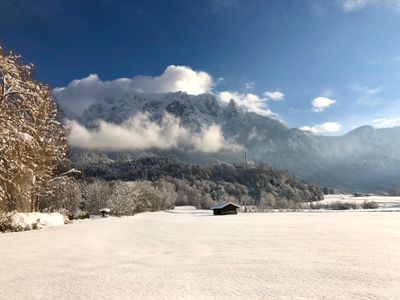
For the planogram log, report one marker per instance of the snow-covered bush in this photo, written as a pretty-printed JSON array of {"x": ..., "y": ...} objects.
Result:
[
  {"x": 338, "y": 205},
  {"x": 14, "y": 221},
  {"x": 370, "y": 205},
  {"x": 7, "y": 222},
  {"x": 78, "y": 215}
]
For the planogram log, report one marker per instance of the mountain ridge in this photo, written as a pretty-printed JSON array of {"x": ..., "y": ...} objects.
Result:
[{"x": 335, "y": 161}]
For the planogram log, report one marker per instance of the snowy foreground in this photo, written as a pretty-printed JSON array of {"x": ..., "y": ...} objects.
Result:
[{"x": 189, "y": 254}]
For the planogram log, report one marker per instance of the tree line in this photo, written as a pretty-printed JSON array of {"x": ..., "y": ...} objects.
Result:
[{"x": 202, "y": 186}]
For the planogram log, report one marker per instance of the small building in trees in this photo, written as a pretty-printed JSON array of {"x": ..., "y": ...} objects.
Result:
[
  {"x": 247, "y": 164},
  {"x": 72, "y": 173},
  {"x": 227, "y": 208}
]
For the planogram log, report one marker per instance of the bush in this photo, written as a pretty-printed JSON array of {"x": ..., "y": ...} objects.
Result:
[
  {"x": 370, "y": 205},
  {"x": 342, "y": 205},
  {"x": 80, "y": 215},
  {"x": 8, "y": 222}
]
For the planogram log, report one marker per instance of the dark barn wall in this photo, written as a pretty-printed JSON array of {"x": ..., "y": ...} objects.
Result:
[{"x": 227, "y": 210}]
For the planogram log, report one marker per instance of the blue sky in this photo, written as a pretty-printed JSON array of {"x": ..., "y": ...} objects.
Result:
[{"x": 341, "y": 55}]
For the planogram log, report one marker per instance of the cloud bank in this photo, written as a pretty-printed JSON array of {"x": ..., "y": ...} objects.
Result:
[
  {"x": 328, "y": 127},
  {"x": 252, "y": 102},
  {"x": 80, "y": 93},
  {"x": 139, "y": 133},
  {"x": 319, "y": 104}
]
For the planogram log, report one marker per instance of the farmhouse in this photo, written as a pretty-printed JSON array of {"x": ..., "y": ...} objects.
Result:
[{"x": 227, "y": 208}]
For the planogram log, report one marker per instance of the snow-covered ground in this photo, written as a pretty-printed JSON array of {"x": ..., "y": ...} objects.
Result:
[
  {"x": 189, "y": 254},
  {"x": 385, "y": 202}
]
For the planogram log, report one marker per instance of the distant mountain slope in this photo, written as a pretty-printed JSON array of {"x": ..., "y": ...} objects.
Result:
[{"x": 365, "y": 159}]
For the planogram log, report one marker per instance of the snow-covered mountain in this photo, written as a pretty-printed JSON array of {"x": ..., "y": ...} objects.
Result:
[
  {"x": 194, "y": 111},
  {"x": 365, "y": 159}
]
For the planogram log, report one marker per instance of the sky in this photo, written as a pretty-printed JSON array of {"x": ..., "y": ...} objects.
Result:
[{"x": 327, "y": 66}]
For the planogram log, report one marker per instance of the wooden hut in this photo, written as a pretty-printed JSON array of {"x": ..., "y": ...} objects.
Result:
[{"x": 227, "y": 208}]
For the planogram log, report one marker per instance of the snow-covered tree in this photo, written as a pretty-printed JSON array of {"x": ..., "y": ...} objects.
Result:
[
  {"x": 129, "y": 197},
  {"x": 64, "y": 193},
  {"x": 32, "y": 140}
]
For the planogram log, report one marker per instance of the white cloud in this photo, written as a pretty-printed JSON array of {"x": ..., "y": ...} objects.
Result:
[
  {"x": 354, "y": 5},
  {"x": 139, "y": 133},
  {"x": 386, "y": 122},
  {"x": 250, "y": 85},
  {"x": 321, "y": 103},
  {"x": 254, "y": 135},
  {"x": 251, "y": 102},
  {"x": 367, "y": 90},
  {"x": 368, "y": 96},
  {"x": 327, "y": 127},
  {"x": 274, "y": 95},
  {"x": 80, "y": 93}
]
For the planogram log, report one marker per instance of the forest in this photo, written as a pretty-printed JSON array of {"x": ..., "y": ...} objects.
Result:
[{"x": 201, "y": 186}]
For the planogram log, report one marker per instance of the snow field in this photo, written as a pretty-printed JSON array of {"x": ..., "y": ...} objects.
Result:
[{"x": 189, "y": 254}]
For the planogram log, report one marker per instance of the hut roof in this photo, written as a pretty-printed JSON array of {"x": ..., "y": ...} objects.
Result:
[
  {"x": 223, "y": 204},
  {"x": 72, "y": 173}
]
